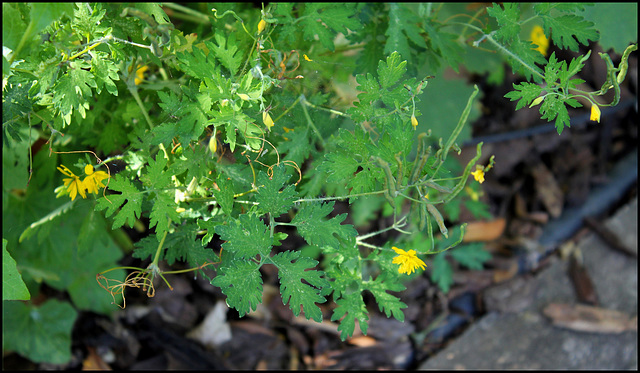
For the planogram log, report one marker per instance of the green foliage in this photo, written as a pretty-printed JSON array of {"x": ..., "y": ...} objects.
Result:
[
  {"x": 13, "y": 288},
  {"x": 43, "y": 334},
  {"x": 317, "y": 231},
  {"x": 179, "y": 119}
]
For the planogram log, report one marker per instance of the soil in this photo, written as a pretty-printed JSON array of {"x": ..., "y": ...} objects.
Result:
[{"x": 534, "y": 179}]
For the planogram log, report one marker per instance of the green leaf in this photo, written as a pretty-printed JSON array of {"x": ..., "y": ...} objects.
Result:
[
  {"x": 525, "y": 92},
  {"x": 471, "y": 256},
  {"x": 183, "y": 245},
  {"x": 442, "y": 273},
  {"x": 15, "y": 104},
  {"x": 73, "y": 90},
  {"x": 246, "y": 237},
  {"x": 445, "y": 44},
  {"x": 616, "y": 22},
  {"x": 292, "y": 269},
  {"x": 155, "y": 176},
  {"x": 224, "y": 196},
  {"x": 131, "y": 197},
  {"x": 13, "y": 288},
  {"x": 241, "y": 282},
  {"x": 352, "y": 307},
  {"x": 389, "y": 304},
  {"x": 197, "y": 64},
  {"x": 226, "y": 51},
  {"x": 164, "y": 208},
  {"x": 326, "y": 20},
  {"x": 105, "y": 72},
  {"x": 553, "y": 107},
  {"x": 270, "y": 197},
  {"x": 42, "y": 334},
  {"x": 391, "y": 72},
  {"x": 402, "y": 28},
  {"x": 567, "y": 27},
  {"x": 508, "y": 20},
  {"x": 316, "y": 230}
]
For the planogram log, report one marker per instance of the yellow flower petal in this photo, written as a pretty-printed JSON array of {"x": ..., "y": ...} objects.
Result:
[
  {"x": 140, "y": 74},
  {"x": 595, "y": 113},
  {"x": 307, "y": 58},
  {"x": 538, "y": 37},
  {"x": 88, "y": 169},
  {"x": 408, "y": 261},
  {"x": 478, "y": 174}
]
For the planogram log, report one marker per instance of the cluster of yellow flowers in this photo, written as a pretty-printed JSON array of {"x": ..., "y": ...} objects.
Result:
[{"x": 90, "y": 184}]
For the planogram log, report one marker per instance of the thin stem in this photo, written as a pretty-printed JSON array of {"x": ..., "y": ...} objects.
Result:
[
  {"x": 156, "y": 258},
  {"x": 194, "y": 14},
  {"x": 311, "y": 124}
]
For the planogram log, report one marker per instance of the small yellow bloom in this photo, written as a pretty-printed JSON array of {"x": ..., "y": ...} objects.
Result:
[
  {"x": 307, "y": 58},
  {"x": 266, "y": 118},
  {"x": 414, "y": 121},
  {"x": 538, "y": 37},
  {"x": 93, "y": 181},
  {"x": 73, "y": 183},
  {"x": 478, "y": 174},
  {"x": 595, "y": 113},
  {"x": 407, "y": 260},
  {"x": 261, "y": 25},
  {"x": 140, "y": 74}
]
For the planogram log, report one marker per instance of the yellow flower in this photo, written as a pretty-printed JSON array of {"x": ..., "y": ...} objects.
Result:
[
  {"x": 307, "y": 58},
  {"x": 414, "y": 121},
  {"x": 266, "y": 118},
  {"x": 93, "y": 181},
  {"x": 261, "y": 25},
  {"x": 595, "y": 113},
  {"x": 538, "y": 37},
  {"x": 140, "y": 74},
  {"x": 478, "y": 174},
  {"x": 408, "y": 261},
  {"x": 73, "y": 183}
]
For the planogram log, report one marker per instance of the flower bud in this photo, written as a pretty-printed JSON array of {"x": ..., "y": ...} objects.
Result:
[
  {"x": 261, "y": 25},
  {"x": 266, "y": 118}
]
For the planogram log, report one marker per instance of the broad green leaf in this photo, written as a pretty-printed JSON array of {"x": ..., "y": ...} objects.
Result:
[
  {"x": 41, "y": 334},
  {"x": 617, "y": 24},
  {"x": 13, "y": 288}
]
